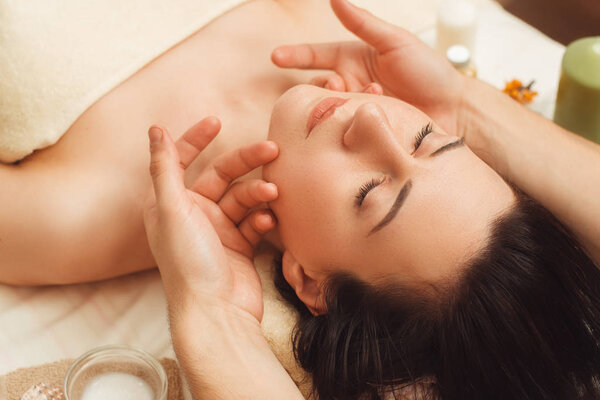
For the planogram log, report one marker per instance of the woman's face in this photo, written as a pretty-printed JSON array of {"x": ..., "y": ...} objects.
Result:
[{"x": 355, "y": 196}]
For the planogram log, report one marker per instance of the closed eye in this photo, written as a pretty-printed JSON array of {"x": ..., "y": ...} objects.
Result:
[
  {"x": 426, "y": 130},
  {"x": 365, "y": 189},
  {"x": 373, "y": 183}
]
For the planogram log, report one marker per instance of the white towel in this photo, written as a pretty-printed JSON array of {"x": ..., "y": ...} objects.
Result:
[{"x": 57, "y": 57}]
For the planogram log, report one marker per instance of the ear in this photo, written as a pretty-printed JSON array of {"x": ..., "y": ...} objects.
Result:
[{"x": 307, "y": 289}]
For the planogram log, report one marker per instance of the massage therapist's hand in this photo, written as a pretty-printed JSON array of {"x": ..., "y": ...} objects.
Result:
[
  {"x": 404, "y": 66},
  {"x": 203, "y": 236}
]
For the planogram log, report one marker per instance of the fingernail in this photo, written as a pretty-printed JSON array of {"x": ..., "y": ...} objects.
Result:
[
  {"x": 155, "y": 134},
  {"x": 270, "y": 186},
  {"x": 268, "y": 219},
  {"x": 277, "y": 54}
]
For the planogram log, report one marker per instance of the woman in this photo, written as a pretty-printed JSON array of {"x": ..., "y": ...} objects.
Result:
[
  {"x": 504, "y": 305},
  {"x": 94, "y": 179},
  {"x": 203, "y": 238}
]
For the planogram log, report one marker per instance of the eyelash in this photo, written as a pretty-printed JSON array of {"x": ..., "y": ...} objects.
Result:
[
  {"x": 426, "y": 130},
  {"x": 373, "y": 183},
  {"x": 366, "y": 188}
]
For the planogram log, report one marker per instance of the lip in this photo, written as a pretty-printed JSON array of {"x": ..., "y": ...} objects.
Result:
[{"x": 322, "y": 111}]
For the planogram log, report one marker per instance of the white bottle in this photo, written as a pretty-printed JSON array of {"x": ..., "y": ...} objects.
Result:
[{"x": 456, "y": 24}]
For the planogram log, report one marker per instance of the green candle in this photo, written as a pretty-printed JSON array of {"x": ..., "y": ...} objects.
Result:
[{"x": 578, "y": 99}]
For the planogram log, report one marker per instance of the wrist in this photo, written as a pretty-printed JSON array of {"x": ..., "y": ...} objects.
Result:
[
  {"x": 209, "y": 337},
  {"x": 223, "y": 354},
  {"x": 196, "y": 310},
  {"x": 468, "y": 114},
  {"x": 480, "y": 121}
]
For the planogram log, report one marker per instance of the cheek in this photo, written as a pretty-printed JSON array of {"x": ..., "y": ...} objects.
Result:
[
  {"x": 288, "y": 117},
  {"x": 283, "y": 132},
  {"x": 309, "y": 207},
  {"x": 306, "y": 195}
]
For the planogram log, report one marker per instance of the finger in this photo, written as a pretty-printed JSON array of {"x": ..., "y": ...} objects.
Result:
[
  {"x": 373, "y": 88},
  {"x": 307, "y": 56},
  {"x": 214, "y": 180},
  {"x": 195, "y": 139},
  {"x": 167, "y": 176},
  {"x": 376, "y": 32},
  {"x": 242, "y": 196},
  {"x": 319, "y": 81},
  {"x": 335, "y": 82},
  {"x": 256, "y": 225},
  {"x": 331, "y": 82}
]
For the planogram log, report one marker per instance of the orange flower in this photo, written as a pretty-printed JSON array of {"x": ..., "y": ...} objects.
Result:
[{"x": 522, "y": 94}]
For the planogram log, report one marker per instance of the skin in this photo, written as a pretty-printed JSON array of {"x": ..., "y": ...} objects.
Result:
[
  {"x": 90, "y": 186},
  {"x": 444, "y": 220},
  {"x": 220, "y": 345},
  {"x": 203, "y": 237}
]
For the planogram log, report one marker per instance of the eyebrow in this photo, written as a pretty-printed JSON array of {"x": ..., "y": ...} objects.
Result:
[
  {"x": 458, "y": 143},
  {"x": 403, "y": 194},
  {"x": 395, "y": 207}
]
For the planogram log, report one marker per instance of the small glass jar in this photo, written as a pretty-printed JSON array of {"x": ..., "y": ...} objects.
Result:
[
  {"x": 118, "y": 368},
  {"x": 460, "y": 57}
]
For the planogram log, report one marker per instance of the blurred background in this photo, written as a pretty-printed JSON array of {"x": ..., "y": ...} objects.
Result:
[{"x": 562, "y": 20}]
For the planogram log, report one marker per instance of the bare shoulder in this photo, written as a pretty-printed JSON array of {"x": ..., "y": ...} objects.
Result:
[{"x": 72, "y": 212}]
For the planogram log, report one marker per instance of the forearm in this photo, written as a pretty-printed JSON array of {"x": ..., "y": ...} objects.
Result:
[
  {"x": 228, "y": 358},
  {"x": 555, "y": 167}
]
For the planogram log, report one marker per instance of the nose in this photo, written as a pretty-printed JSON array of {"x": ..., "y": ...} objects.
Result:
[{"x": 371, "y": 136}]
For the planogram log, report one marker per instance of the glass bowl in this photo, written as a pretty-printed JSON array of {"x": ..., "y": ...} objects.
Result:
[{"x": 102, "y": 371}]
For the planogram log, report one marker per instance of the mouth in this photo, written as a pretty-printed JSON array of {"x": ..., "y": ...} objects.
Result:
[{"x": 322, "y": 111}]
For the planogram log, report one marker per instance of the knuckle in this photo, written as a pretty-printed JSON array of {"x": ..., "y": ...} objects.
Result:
[
  {"x": 221, "y": 174},
  {"x": 312, "y": 56},
  {"x": 157, "y": 167},
  {"x": 337, "y": 52},
  {"x": 253, "y": 192},
  {"x": 234, "y": 187},
  {"x": 246, "y": 158},
  {"x": 360, "y": 25},
  {"x": 240, "y": 202}
]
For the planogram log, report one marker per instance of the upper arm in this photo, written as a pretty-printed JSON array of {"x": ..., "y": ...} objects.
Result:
[{"x": 61, "y": 226}]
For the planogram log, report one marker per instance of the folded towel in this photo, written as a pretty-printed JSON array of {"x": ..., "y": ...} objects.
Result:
[{"x": 59, "y": 56}]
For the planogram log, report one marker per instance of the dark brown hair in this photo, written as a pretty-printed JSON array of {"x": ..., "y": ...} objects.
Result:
[{"x": 523, "y": 322}]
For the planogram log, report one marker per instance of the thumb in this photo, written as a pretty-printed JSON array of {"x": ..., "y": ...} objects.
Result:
[
  {"x": 167, "y": 175},
  {"x": 376, "y": 32}
]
